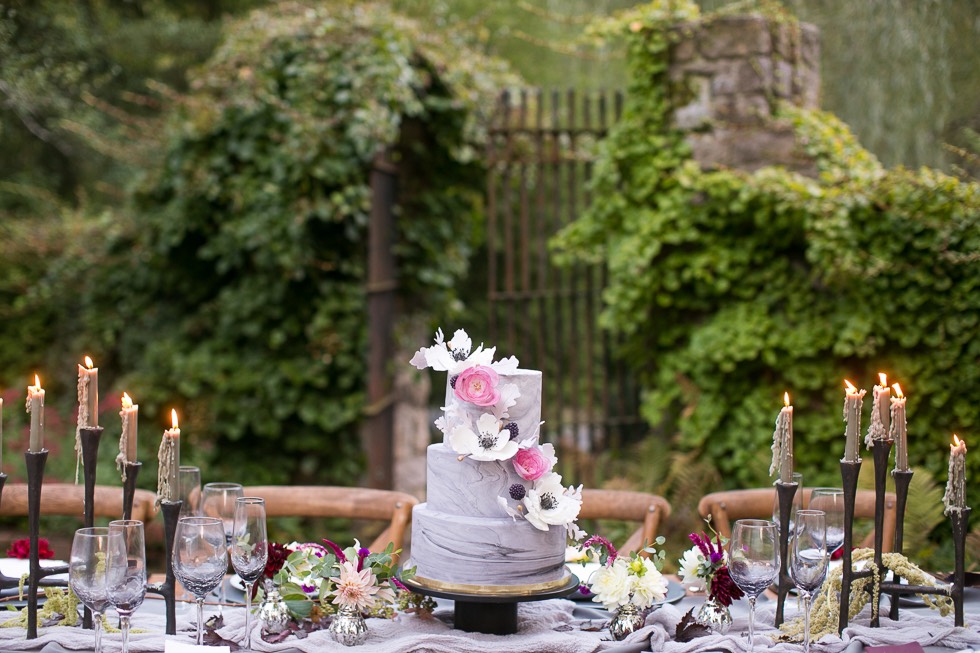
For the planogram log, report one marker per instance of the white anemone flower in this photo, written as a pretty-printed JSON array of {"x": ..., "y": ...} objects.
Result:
[
  {"x": 458, "y": 354},
  {"x": 548, "y": 503},
  {"x": 689, "y": 565},
  {"x": 488, "y": 443}
]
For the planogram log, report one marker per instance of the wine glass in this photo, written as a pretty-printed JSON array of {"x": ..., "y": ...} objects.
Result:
[
  {"x": 831, "y": 501},
  {"x": 249, "y": 548},
  {"x": 753, "y": 554},
  {"x": 86, "y": 574},
  {"x": 218, "y": 500},
  {"x": 200, "y": 560},
  {"x": 126, "y": 571},
  {"x": 189, "y": 481},
  {"x": 808, "y": 560},
  {"x": 797, "y": 502}
]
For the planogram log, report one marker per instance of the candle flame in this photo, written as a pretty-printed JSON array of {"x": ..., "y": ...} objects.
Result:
[
  {"x": 849, "y": 387},
  {"x": 883, "y": 379},
  {"x": 898, "y": 390},
  {"x": 958, "y": 443},
  {"x": 88, "y": 363},
  {"x": 173, "y": 417},
  {"x": 786, "y": 398},
  {"x": 127, "y": 402},
  {"x": 37, "y": 382}
]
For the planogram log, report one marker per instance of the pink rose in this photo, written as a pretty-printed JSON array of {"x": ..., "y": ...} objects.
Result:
[
  {"x": 478, "y": 385},
  {"x": 531, "y": 463}
]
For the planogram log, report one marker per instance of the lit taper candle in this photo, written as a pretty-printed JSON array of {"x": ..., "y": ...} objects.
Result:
[
  {"x": 35, "y": 406},
  {"x": 127, "y": 439},
  {"x": 853, "y": 401},
  {"x": 169, "y": 460},
  {"x": 955, "y": 497},
  {"x": 878, "y": 429},
  {"x": 898, "y": 430},
  {"x": 782, "y": 443}
]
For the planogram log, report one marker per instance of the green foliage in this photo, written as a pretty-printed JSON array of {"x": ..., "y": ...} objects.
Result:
[
  {"x": 244, "y": 298},
  {"x": 731, "y": 287}
]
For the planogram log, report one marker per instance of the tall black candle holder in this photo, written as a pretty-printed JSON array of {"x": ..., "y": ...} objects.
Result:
[
  {"x": 35, "y": 462},
  {"x": 894, "y": 588},
  {"x": 902, "y": 480},
  {"x": 91, "y": 437},
  {"x": 784, "y": 494},
  {"x": 129, "y": 487},
  {"x": 167, "y": 589}
]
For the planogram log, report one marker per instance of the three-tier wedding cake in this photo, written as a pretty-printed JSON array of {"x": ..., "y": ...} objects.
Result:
[{"x": 496, "y": 513}]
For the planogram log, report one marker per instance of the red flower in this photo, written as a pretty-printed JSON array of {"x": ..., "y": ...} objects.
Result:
[
  {"x": 22, "y": 549},
  {"x": 723, "y": 588}
]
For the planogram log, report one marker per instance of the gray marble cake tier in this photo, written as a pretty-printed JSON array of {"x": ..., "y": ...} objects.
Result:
[
  {"x": 484, "y": 551},
  {"x": 526, "y": 411},
  {"x": 467, "y": 487}
]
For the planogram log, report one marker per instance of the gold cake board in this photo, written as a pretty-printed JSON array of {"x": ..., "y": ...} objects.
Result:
[{"x": 492, "y": 609}]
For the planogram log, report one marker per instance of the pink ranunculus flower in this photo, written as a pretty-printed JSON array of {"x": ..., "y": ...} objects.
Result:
[
  {"x": 531, "y": 463},
  {"x": 478, "y": 385}
]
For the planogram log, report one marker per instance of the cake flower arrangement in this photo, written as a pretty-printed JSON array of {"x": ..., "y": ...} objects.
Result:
[{"x": 478, "y": 426}]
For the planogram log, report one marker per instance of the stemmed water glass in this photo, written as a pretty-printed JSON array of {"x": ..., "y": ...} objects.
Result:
[
  {"x": 200, "y": 560},
  {"x": 249, "y": 548},
  {"x": 87, "y": 574},
  {"x": 218, "y": 500},
  {"x": 126, "y": 571},
  {"x": 808, "y": 560},
  {"x": 831, "y": 501},
  {"x": 189, "y": 480},
  {"x": 753, "y": 554}
]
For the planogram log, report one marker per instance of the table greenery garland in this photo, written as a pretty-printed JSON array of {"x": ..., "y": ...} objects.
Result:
[{"x": 825, "y": 615}]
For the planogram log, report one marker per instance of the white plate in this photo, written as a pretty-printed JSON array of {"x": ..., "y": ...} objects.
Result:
[
  {"x": 17, "y": 567},
  {"x": 236, "y": 582}
]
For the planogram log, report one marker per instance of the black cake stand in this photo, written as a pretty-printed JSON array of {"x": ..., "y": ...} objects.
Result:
[{"x": 488, "y": 611}]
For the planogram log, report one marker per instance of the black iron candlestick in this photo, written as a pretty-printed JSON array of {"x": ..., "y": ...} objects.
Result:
[
  {"x": 167, "y": 589},
  {"x": 91, "y": 437},
  {"x": 129, "y": 487},
  {"x": 894, "y": 588},
  {"x": 36, "y": 461},
  {"x": 784, "y": 493},
  {"x": 902, "y": 480}
]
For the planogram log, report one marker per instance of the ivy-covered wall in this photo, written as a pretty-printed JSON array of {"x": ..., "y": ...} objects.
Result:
[{"x": 732, "y": 287}]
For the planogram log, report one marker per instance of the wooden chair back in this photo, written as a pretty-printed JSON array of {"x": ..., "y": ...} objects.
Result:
[
  {"x": 389, "y": 506},
  {"x": 650, "y": 510},
  {"x": 726, "y": 507},
  {"x": 68, "y": 500}
]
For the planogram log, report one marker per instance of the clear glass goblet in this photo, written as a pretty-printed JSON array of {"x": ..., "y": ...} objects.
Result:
[
  {"x": 753, "y": 554},
  {"x": 189, "y": 480},
  {"x": 87, "y": 574},
  {"x": 831, "y": 501},
  {"x": 126, "y": 571},
  {"x": 200, "y": 559},
  {"x": 249, "y": 548},
  {"x": 808, "y": 560},
  {"x": 218, "y": 500}
]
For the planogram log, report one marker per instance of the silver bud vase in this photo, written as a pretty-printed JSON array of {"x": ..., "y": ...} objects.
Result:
[
  {"x": 712, "y": 614},
  {"x": 627, "y": 619},
  {"x": 348, "y": 626},
  {"x": 273, "y": 613}
]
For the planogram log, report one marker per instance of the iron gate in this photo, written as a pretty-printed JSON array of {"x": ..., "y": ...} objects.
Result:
[{"x": 540, "y": 156}]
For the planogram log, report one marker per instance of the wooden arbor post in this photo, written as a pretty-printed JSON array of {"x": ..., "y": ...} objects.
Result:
[{"x": 377, "y": 428}]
